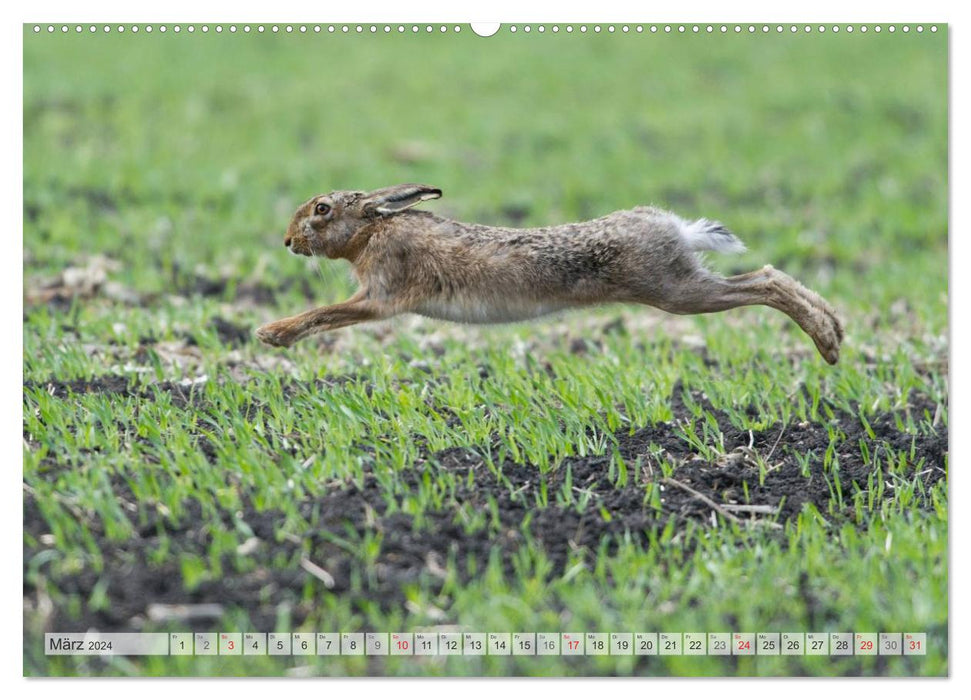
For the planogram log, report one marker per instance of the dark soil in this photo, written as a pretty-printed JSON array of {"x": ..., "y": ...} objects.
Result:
[
  {"x": 230, "y": 334},
  {"x": 242, "y": 291},
  {"x": 261, "y": 581},
  {"x": 120, "y": 386}
]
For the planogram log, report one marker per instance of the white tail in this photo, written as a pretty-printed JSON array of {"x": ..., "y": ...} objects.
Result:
[{"x": 710, "y": 235}]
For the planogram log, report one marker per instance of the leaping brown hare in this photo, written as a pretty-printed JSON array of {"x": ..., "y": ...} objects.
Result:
[{"x": 415, "y": 262}]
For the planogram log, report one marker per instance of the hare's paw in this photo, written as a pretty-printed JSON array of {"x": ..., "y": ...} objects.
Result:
[
  {"x": 829, "y": 336},
  {"x": 279, "y": 333}
]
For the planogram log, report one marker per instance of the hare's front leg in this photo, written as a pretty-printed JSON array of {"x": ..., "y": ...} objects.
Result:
[{"x": 287, "y": 331}]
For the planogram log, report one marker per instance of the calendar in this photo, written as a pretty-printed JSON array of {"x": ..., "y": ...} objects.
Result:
[{"x": 429, "y": 643}]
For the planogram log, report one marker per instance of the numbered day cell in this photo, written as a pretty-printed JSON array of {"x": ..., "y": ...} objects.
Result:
[
  {"x": 767, "y": 644},
  {"x": 352, "y": 644},
  {"x": 449, "y": 643},
  {"x": 571, "y": 644},
  {"x": 915, "y": 643},
  {"x": 278, "y": 643},
  {"x": 426, "y": 644},
  {"x": 793, "y": 643},
  {"x": 645, "y": 643},
  {"x": 621, "y": 644},
  {"x": 254, "y": 644},
  {"x": 548, "y": 643},
  {"x": 230, "y": 644},
  {"x": 180, "y": 644},
  {"x": 817, "y": 644},
  {"x": 865, "y": 643},
  {"x": 500, "y": 644},
  {"x": 669, "y": 643},
  {"x": 302, "y": 644},
  {"x": 474, "y": 644},
  {"x": 719, "y": 643},
  {"x": 597, "y": 643},
  {"x": 376, "y": 644},
  {"x": 402, "y": 644},
  {"x": 743, "y": 644},
  {"x": 841, "y": 643},
  {"x": 207, "y": 643},
  {"x": 695, "y": 643},
  {"x": 328, "y": 644},
  {"x": 891, "y": 644},
  {"x": 524, "y": 643}
]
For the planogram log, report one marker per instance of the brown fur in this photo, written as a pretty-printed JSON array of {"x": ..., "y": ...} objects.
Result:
[{"x": 415, "y": 262}]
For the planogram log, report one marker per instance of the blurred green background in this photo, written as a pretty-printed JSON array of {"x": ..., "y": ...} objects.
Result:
[{"x": 808, "y": 146}]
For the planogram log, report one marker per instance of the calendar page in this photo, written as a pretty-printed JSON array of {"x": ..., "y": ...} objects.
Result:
[{"x": 558, "y": 349}]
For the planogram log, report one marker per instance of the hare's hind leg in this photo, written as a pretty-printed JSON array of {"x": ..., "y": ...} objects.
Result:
[
  {"x": 287, "y": 331},
  {"x": 706, "y": 293}
]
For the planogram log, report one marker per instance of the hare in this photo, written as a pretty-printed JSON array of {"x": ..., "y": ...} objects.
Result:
[{"x": 410, "y": 261}]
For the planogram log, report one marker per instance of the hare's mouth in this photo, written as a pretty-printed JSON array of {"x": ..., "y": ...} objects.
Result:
[{"x": 299, "y": 247}]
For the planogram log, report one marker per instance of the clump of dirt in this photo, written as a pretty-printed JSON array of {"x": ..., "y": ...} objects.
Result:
[{"x": 81, "y": 281}]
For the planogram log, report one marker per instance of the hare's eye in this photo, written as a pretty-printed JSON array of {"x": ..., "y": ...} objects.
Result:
[{"x": 322, "y": 208}]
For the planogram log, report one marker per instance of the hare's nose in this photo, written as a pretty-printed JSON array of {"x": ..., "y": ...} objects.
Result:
[{"x": 286, "y": 241}]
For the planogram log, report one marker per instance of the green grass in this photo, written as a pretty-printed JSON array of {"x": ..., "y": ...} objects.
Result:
[{"x": 182, "y": 158}]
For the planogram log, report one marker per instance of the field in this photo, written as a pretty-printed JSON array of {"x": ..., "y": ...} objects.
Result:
[{"x": 608, "y": 470}]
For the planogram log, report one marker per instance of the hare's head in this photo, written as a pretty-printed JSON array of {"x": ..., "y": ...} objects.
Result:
[{"x": 327, "y": 223}]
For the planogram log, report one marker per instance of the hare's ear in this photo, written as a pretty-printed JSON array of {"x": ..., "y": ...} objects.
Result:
[{"x": 391, "y": 200}]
